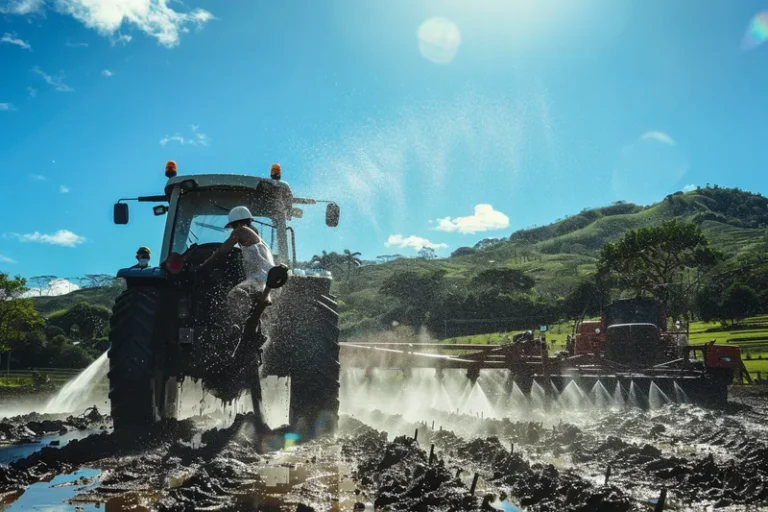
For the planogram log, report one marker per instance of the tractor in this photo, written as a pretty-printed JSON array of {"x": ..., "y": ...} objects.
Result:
[
  {"x": 170, "y": 323},
  {"x": 630, "y": 332}
]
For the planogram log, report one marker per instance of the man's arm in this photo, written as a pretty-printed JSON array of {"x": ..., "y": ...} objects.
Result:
[{"x": 223, "y": 249}]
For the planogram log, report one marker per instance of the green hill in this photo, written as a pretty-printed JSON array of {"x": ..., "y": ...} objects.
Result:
[
  {"x": 560, "y": 254},
  {"x": 101, "y": 296},
  {"x": 557, "y": 256}
]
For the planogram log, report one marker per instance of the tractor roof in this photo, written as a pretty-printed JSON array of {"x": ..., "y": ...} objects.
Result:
[{"x": 225, "y": 180}]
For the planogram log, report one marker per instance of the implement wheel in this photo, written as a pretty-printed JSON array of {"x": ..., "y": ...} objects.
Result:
[{"x": 131, "y": 357}]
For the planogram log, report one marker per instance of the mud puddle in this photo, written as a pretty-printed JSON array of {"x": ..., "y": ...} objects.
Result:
[
  {"x": 18, "y": 450},
  {"x": 323, "y": 482},
  {"x": 53, "y": 494}
]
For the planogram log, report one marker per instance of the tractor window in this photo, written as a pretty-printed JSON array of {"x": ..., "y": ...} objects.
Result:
[
  {"x": 633, "y": 313},
  {"x": 202, "y": 216}
]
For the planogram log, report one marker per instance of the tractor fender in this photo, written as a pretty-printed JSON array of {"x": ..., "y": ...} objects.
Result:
[
  {"x": 150, "y": 276},
  {"x": 141, "y": 273}
]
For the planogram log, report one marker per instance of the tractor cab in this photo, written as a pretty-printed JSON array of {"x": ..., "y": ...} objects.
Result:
[
  {"x": 633, "y": 332},
  {"x": 197, "y": 208}
]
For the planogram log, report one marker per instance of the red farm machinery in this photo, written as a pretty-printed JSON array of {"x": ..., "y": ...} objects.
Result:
[{"x": 628, "y": 352}]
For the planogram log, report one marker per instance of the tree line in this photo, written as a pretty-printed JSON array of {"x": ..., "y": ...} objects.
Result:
[
  {"x": 672, "y": 262},
  {"x": 69, "y": 338}
]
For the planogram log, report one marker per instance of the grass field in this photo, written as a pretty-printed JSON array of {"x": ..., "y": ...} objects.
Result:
[
  {"x": 751, "y": 335},
  {"x": 26, "y": 378}
]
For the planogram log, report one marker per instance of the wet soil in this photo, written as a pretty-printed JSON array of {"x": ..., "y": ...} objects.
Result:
[{"x": 599, "y": 461}]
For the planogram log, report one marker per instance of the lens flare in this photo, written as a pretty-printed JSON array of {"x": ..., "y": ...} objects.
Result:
[
  {"x": 757, "y": 31},
  {"x": 439, "y": 40}
]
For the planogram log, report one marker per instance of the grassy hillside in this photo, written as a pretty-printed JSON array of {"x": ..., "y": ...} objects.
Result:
[
  {"x": 560, "y": 254},
  {"x": 733, "y": 220},
  {"x": 100, "y": 296}
]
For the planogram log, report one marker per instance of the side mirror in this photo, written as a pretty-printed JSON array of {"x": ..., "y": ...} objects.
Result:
[
  {"x": 120, "y": 213},
  {"x": 277, "y": 276},
  {"x": 332, "y": 213},
  {"x": 160, "y": 209}
]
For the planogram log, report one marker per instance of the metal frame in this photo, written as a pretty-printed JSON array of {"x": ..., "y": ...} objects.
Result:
[{"x": 406, "y": 356}]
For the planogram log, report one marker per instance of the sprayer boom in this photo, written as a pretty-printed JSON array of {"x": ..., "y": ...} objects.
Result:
[{"x": 700, "y": 372}]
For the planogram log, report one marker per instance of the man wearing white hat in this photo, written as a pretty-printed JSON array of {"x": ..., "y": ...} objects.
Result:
[{"x": 257, "y": 259}]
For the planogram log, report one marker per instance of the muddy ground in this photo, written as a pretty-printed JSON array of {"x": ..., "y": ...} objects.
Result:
[{"x": 601, "y": 461}]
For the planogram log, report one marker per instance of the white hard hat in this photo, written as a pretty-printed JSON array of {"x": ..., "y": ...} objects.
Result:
[{"x": 238, "y": 213}]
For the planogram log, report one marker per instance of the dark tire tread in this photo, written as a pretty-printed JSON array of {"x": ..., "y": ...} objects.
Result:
[{"x": 131, "y": 356}]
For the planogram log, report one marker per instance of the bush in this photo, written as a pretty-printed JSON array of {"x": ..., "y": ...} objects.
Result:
[
  {"x": 52, "y": 331},
  {"x": 72, "y": 356},
  {"x": 40, "y": 379}
]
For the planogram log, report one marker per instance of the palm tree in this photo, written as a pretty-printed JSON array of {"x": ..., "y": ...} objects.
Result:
[
  {"x": 328, "y": 261},
  {"x": 352, "y": 259}
]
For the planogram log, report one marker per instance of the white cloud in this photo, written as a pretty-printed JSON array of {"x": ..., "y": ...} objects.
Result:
[
  {"x": 21, "y": 7},
  {"x": 485, "y": 218},
  {"x": 198, "y": 138},
  {"x": 57, "y": 82},
  {"x": 38, "y": 177},
  {"x": 659, "y": 137},
  {"x": 152, "y": 17},
  {"x": 12, "y": 39},
  {"x": 62, "y": 237},
  {"x": 76, "y": 45},
  {"x": 58, "y": 286},
  {"x": 107, "y": 73},
  {"x": 122, "y": 39},
  {"x": 32, "y": 92},
  {"x": 63, "y": 189},
  {"x": 7, "y": 106},
  {"x": 689, "y": 188},
  {"x": 6, "y": 259},
  {"x": 415, "y": 242}
]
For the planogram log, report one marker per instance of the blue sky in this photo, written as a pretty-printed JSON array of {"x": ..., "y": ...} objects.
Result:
[{"x": 493, "y": 116}]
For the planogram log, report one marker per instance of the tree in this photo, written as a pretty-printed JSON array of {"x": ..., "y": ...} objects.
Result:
[
  {"x": 72, "y": 356},
  {"x": 487, "y": 243},
  {"x": 417, "y": 293},
  {"x": 588, "y": 297},
  {"x": 41, "y": 285},
  {"x": 427, "y": 253},
  {"x": 504, "y": 280},
  {"x": 463, "y": 251},
  {"x": 98, "y": 281},
  {"x": 352, "y": 260},
  {"x": 653, "y": 260},
  {"x": 90, "y": 320},
  {"x": 328, "y": 261},
  {"x": 18, "y": 316},
  {"x": 739, "y": 301}
]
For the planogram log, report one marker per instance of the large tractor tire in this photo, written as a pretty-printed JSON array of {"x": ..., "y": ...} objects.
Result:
[
  {"x": 132, "y": 357},
  {"x": 304, "y": 344}
]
